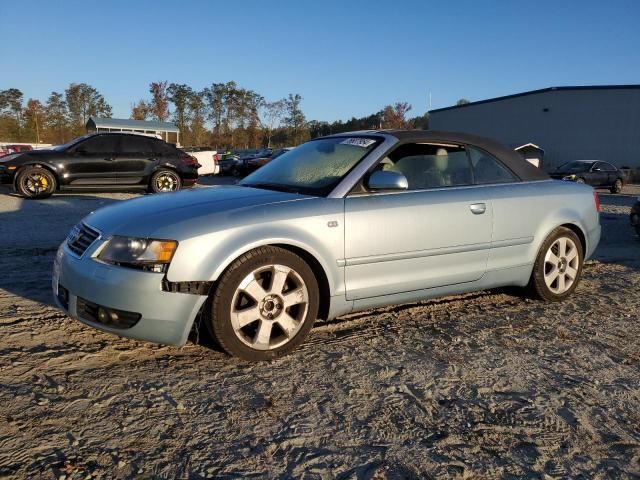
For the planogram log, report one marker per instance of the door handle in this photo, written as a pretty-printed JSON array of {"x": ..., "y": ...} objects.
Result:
[{"x": 478, "y": 208}]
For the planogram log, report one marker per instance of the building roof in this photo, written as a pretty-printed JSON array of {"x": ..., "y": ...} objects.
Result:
[
  {"x": 542, "y": 90},
  {"x": 95, "y": 122}
]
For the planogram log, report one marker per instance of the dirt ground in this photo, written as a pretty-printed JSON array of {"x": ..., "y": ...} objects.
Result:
[{"x": 486, "y": 385}]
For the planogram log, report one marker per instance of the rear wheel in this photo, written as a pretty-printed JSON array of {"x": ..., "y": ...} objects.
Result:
[
  {"x": 165, "y": 181},
  {"x": 580, "y": 180},
  {"x": 558, "y": 266},
  {"x": 264, "y": 305},
  {"x": 35, "y": 182},
  {"x": 617, "y": 186}
]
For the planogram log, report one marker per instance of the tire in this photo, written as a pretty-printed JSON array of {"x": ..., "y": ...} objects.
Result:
[
  {"x": 616, "y": 187},
  {"x": 557, "y": 269},
  {"x": 235, "y": 172},
  {"x": 35, "y": 182},
  {"x": 165, "y": 180},
  {"x": 249, "y": 317},
  {"x": 580, "y": 180}
]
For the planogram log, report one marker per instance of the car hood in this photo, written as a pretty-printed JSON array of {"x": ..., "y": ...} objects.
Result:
[{"x": 181, "y": 214}]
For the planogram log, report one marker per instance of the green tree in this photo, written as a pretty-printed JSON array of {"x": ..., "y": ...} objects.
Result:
[
  {"x": 84, "y": 101},
  {"x": 462, "y": 101},
  {"x": 56, "y": 119},
  {"x": 295, "y": 120},
  {"x": 140, "y": 110},
  {"x": 33, "y": 121},
  {"x": 159, "y": 104},
  {"x": 11, "y": 114},
  {"x": 180, "y": 95}
]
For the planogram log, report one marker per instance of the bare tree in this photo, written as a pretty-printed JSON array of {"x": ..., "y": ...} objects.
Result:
[{"x": 274, "y": 113}]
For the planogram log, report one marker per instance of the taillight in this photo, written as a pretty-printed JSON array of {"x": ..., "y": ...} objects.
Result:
[
  {"x": 596, "y": 199},
  {"x": 215, "y": 158},
  {"x": 189, "y": 160}
]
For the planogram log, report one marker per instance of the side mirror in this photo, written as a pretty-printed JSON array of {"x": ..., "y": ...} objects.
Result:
[{"x": 387, "y": 180}]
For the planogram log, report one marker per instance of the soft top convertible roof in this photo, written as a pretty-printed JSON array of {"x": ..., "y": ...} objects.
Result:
[{"x": 511, "y": 159}]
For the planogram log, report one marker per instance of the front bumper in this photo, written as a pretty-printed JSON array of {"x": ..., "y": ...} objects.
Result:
[{"x": 166, "y": 317}]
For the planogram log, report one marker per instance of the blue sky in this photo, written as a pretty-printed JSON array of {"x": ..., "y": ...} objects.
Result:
[{"x": 346, "y": 58}]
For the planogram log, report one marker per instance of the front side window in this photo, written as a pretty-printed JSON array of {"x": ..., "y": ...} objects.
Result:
[
  {"x": 98, "y": 144},
  {"x": 315, "y": 167},
  {"x": 430, "y": 165},
  {"x": 487, "y": 169}
]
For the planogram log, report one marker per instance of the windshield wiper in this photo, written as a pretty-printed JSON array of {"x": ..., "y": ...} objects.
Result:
[{"x": 272, "y": 186}]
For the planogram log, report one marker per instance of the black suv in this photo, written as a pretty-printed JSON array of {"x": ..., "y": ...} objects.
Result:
[{"x": 100, "y": 161}]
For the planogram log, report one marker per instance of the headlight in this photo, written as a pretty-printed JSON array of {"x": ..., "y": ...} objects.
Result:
[
  {"x": 143, "y": 253},
  {"x": 569, "y": 177}
]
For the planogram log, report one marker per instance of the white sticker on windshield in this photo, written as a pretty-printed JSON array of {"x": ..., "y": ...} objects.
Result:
[{"x": 358, "y": 142}]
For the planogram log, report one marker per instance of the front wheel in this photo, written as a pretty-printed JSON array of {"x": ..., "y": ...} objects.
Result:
[
  {"x": 617, "y": 186},
  {"x": 35, "y": 182},
  {"x": 264, "y": 305},
  {"x": 580, "y": 180},
  {"x": 165, "y": 181},
  {"x": 558, "y": 266}
]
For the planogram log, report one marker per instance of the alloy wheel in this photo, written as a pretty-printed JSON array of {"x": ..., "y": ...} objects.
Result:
[
  {"x": 269, "y": 307},
  {"x": 35, "y": 183},
  {"x": 167, "y": 182},
  {"x": 561, "y": 265}
]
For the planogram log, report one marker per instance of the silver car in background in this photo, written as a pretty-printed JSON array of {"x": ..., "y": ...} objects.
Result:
[{"x": 342, "y": 223}]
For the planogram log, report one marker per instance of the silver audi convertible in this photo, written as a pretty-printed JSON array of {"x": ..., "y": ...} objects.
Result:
[{"x": 339, "y": 224}]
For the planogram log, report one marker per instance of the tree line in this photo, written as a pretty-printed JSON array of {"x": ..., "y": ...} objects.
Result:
[{"x": 223, "y": 115}]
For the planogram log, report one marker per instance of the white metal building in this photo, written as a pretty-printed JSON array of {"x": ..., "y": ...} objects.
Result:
[
  {"x": 568, "y": 123},
  {"x": 165, "y": 130}
]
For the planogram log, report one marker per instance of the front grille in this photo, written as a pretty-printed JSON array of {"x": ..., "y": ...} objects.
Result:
[
  {"x": 81, "y": 238},
  {"x": 109, "y": 317}
]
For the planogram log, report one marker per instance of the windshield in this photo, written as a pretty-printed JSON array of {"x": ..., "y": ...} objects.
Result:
[
  {"x": 575, "y": 167},
  {"x": 64, "y": 146},
  {"x": 313, "y": 168}
]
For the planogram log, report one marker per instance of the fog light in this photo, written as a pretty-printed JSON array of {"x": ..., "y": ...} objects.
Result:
[{"x": 107, "y": 316}]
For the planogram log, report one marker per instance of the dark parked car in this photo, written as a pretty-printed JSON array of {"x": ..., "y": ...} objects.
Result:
[
  {"x": 228, "y": 164},
  {"x": 635, "y": 216},
  {"x": 253, "y": 164},
  {"x": 100, "y": 161},
  {"x": 592, "y": 172}
]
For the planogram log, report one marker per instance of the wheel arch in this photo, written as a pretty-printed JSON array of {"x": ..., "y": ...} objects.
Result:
[
  {"x": 40, "y": 165},
  {"x": 580, "y": 234},
  {"x": 323, "y": 282}
]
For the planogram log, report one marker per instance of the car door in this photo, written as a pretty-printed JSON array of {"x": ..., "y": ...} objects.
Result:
[
  {"x": 91, "y": 162},
  {"x": 514, "y": 218},
  {"x": 611, "y": 172},
  {"x": 598, "y": 175},
  {"x": 135, "y": 160},
  {"x": 436, "y": 233}
]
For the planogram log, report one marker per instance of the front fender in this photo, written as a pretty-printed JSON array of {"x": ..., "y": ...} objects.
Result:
[{"x": 205, "y": 258}]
